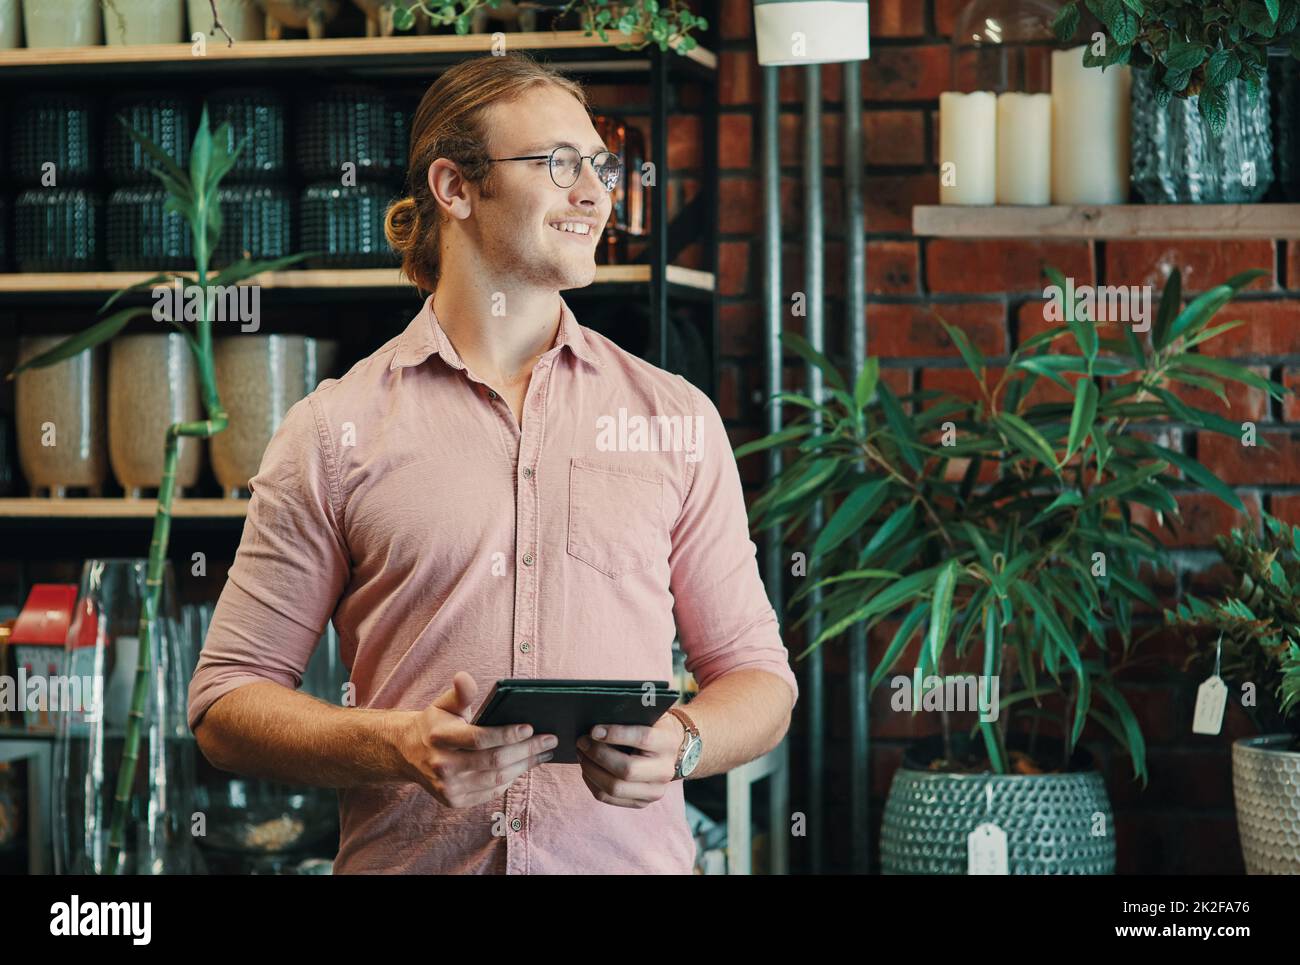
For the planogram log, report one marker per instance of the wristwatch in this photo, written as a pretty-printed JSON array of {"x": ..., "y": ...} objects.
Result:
[{"x": 688, "y": 755}]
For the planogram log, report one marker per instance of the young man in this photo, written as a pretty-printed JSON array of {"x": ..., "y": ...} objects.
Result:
[{"x": 466, "y": 506}]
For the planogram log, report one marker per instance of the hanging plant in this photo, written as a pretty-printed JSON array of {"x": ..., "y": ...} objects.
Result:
[{"x": 1192, "y": 49}]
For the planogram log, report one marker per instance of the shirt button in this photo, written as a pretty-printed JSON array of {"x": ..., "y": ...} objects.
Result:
[
  {"x": 528, "y": 472},
  {"x": 491, "y": 394},
  {"x": 525, "y": 647},
  {"x": 516, "y": 824},
  {"x": 528, "y": 559}
]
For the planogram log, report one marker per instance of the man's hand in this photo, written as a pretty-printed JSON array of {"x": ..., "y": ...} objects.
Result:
[
  {"x": 460, "y": 764},
  {"x": 631, "y": 780}
]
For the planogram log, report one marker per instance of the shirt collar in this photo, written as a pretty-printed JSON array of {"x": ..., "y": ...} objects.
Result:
[{"x": 424, "y": 336}]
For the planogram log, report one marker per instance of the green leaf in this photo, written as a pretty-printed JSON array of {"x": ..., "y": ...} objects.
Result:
[
  {"x": 1082, "y": 416},
  {"x": 1212, "y": 102},
  {"x": 1170, "y": 302},
  {"x": 969, "y": 353},
  {"x": 1228, "y": 370},
  {"x": 899, "y": 643},
  {"x": 815, "y": 358},
  {"x": 1183, "y": 55},
  {"x": 858, "y": 507},
  {"x": 1026, "y": 438},
  {"x": 1066, "y": 22},
  {"x": 169, "y": 165},
  {"x": 1136, "y": 743},
  {"x": 865, "y": 386},
  {"x": 244, "y": 268},
  {"x": 883, "y": 602},
  {"x": 1222, "y": 67},
  {"x": 403, "y": 17},
  {"x": 941, "y": 608},
  {"x": 780, "y": 438},
  {"x": 900, "y": 521},
  {"x": 904, "y": 432}
]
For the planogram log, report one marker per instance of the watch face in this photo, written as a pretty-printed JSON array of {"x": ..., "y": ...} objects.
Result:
[{"x": 692, "y": 756}]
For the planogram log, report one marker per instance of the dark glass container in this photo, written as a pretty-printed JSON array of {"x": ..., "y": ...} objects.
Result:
[
  {"x": 346, "y": 225},
  {"x": 143, "y": 236},
  {"x": 57, "y": 229},
  {"x": 256, "y": 222},
  {"x": 349, "y": 125},
  {"x": 260, "y": 116},
  {"x": 167, "y": 121},
  {"x": 53, "y": 128}
]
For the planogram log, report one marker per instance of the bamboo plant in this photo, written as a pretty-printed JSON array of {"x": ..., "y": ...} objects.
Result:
[
  {"x": 193, "y": 195},
  {"x": 1005, "y": 529}
]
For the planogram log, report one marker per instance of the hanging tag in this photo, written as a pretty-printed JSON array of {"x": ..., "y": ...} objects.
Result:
[
  {"x": 986, "y": 850},
  {"x": 1211, "y": 701},
  {"x": 986, "y": 846}
]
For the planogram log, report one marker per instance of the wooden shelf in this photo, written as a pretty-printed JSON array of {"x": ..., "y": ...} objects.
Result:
[
  {"x": 111, "y": 281},
  {"x": 119, "y": 508},
  {"x": 1119, "y": 221},
  {"x": 415, "y": 51}
]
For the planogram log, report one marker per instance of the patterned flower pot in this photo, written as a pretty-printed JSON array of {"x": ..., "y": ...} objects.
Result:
[
  {"x": 152, "y": 382},
  {"x": 144, "y": 22},
  {"x": 258, "y": 378},
  {"x": 1051, "y": 820},
  {"x": 59, "y": 410},
  {"x": 1266, "y": 786}
]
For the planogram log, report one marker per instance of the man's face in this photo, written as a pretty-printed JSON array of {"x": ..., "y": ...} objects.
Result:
[{"x": 520, "y": 225}]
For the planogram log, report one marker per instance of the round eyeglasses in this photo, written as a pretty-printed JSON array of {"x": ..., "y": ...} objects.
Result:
[{"x": 565, "y": 164}]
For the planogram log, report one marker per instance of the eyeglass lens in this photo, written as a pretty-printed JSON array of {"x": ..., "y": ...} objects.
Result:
[{"x": 566, "y": 165}]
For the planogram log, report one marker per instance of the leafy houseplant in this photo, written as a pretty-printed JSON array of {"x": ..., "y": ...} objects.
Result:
[
  {"x": 982, "y": 521},
  {"x": 668, "y": 24},
  {"x": 1003, "y": 532},
  {"x": 1256, "y": 622},
  {"x": 1190, "y": 48},
  {"x": 193, "y": 195}
]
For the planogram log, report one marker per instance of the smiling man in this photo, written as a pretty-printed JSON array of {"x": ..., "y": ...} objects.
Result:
[{"x": 453, "y": 504}]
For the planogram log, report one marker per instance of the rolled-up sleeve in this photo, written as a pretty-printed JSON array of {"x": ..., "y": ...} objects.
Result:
[
  {"x": 291, "y": 566},
  {"x": 724, "y": 618}
]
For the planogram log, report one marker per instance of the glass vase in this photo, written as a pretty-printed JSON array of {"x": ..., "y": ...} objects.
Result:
[
  {"x": 101, "y": 654},
  {"x": 1178, "y": 160}
]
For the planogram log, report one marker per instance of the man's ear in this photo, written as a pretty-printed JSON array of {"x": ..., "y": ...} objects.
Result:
[{"x": 450, "y": 190}]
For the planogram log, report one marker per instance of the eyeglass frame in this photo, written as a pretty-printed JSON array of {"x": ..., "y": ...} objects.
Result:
[{"x": 550, "y": 167}]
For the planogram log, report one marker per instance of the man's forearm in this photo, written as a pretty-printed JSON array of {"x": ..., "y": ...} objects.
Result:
[
  {"x": 741, "y": 716},
  {"x": 265, "y": 730}
]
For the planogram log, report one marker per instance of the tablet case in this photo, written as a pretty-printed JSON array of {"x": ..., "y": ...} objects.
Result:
[{"x": 570, "y": 708}]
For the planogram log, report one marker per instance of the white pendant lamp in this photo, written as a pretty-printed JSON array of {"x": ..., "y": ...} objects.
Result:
[{"x": 802, "y": 32}]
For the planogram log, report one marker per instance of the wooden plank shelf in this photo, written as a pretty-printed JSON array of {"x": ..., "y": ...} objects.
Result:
[
  {"x": 95, "y": 508},
  {"x": 321, "y": 278},
  {"x": 420, "y": 52},
  {"x": 1097, "y": 222}
]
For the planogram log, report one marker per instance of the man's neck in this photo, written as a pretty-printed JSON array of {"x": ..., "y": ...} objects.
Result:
[{"x": 498, "y": 331}]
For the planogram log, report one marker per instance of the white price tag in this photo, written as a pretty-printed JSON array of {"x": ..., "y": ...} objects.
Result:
[
  {"x": 1211, "y": 701},
  {"x": 986, "y": 851}
]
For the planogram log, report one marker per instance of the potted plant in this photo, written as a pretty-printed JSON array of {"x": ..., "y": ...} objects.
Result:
[
  {"x": 1201, "y": 115},
  {"x": 668, "y": 24},
  {"x": 1000, "y": 532},
  {"x": 193, "y": 194},
  {"x": 1250, "y": 637}
]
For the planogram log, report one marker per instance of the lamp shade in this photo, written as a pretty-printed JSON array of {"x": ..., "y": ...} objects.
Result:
[{"x": 801, "y": 32}]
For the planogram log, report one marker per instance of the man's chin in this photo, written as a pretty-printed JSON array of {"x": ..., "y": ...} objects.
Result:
[{"x": 578, "y": 278}]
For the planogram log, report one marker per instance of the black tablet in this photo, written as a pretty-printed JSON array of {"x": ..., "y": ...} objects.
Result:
[{"x": 570, "y": 708}]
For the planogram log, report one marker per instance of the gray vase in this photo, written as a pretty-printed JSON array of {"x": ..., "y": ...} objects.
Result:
[
  {"x": 1177, "y": 160},
  {"x": 1266, "y": 786},
  {"x": 1049, "y": 820}
]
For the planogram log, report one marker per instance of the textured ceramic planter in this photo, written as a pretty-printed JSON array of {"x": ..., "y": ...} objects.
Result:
[
  {"x": 309, "y": 15},
  {"x": 144, "y": 22},
  {"x": 243, "y": 19},
  {"x": 152, "y": 382},
  {"x": 59, "y": 412},
  {"x": 258, "y": 377},
  {"x": 1266, "y": 786},
  {"x": 1049, "y": 820},
  {"x": 65, "y": 23}
]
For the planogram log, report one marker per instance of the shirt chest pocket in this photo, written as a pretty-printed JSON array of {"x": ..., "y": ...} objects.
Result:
[{"x": 616, "y": 517}]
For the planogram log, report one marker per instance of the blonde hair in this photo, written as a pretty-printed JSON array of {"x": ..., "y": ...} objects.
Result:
[{"x": 449, "y": 124}]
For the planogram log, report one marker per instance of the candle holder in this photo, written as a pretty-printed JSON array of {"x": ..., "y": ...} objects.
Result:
[{"x": 995, "y": 124}]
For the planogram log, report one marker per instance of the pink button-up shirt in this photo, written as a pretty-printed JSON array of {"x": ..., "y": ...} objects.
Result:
[{"x": 404, "y": 502}]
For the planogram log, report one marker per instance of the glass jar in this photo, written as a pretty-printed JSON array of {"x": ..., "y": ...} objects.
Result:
[
  {"x": 1177, "y": 159},
  {"x": 101, "y": 654}
]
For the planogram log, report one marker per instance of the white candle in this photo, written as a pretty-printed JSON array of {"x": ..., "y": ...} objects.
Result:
[
  {"x": 1024, "y": 148},
  {"x": 968, "y": 148},
  {"x": 1090, "y": 135}
]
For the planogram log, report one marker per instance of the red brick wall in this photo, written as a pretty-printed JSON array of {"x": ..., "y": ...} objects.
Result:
[{"x": 1183, "y": 822}]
